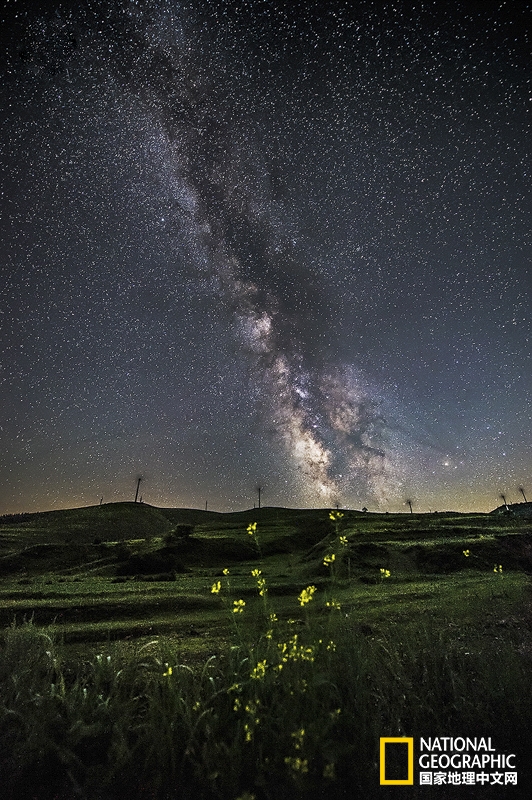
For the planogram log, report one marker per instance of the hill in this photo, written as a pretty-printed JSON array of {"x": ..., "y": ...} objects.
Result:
[
  {"x": 515, "y": 509},
  {"x": 139, "y": 539}
]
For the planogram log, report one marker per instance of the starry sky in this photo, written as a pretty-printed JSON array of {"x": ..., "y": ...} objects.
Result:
[{"x": 275, "y": 244}]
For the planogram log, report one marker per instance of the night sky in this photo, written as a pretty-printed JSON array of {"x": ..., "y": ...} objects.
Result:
[{"x": 263, "y": 243}]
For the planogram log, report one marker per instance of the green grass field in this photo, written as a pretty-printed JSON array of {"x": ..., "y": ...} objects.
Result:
[{"x": 143, "y": 658}]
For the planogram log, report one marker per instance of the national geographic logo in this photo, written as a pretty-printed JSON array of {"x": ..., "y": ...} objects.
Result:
[
  {"x": 445, "y": 760},
  {"x": 397, "y": 759}
]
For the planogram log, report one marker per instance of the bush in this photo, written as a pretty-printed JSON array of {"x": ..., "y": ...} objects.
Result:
[{"x": 178, "y": 533}]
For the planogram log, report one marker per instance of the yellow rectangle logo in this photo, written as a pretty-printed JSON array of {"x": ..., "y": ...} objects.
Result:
[{"x": 391, "y": 740}]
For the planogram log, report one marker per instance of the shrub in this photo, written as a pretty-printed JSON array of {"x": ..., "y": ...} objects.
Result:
[{"x": 178, "y": 533}]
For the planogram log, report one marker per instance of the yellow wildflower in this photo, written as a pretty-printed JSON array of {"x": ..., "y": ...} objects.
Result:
[
  {"x": 306, "y": 653},
  {"x": 466, "y": 553},
  {"x": 226, "y": 571},
  {"x": 329, "y": 559},
  {"x": 256, "y": 572},
  {"x": 258, "y": 672},
  {"x": 252, "y": 528},
  {"x": 344, "y": 543},
  {"x": 168, "y": 671},
  {"x": 497, "y": 568},
  {"x": 238, "y": 606},
  {"x": 385, "y": 573},
  {"x": 297, "y": 764},
  {"x": 306, "y": 595},
  {"x": 299, "y": 736},
  {"x": 216, "y": 587},
  {"x": 333, "y": 604}
]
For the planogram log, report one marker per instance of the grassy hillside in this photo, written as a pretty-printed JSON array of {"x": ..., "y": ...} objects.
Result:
[
  {"x": 115, "y": 571},
  {"x": 115, "y": 521},
  {"x": 224, "y": 660}
]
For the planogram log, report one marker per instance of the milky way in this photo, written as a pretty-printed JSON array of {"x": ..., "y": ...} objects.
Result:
[{"x": 248, "y": 243}]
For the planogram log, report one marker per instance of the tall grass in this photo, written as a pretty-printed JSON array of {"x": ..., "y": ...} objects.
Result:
[{"x": 289, "y": 716}]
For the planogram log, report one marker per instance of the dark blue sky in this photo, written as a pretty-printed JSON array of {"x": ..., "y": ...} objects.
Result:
[{"x": 285, "y": 244}]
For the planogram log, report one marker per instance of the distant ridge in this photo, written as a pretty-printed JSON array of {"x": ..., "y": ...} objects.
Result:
[
  {"x": 129, "y": 520},
  {"x": 516, "y": 509}
]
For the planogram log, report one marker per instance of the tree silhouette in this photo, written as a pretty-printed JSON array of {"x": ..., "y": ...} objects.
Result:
[
  {"x": 409, "y": 504},
  {"x": 521, "y": 489},
  {"x": 503, "y": 498},
  {"x": 138, "y": 486},
  {"x": 258, "y": 488}
]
